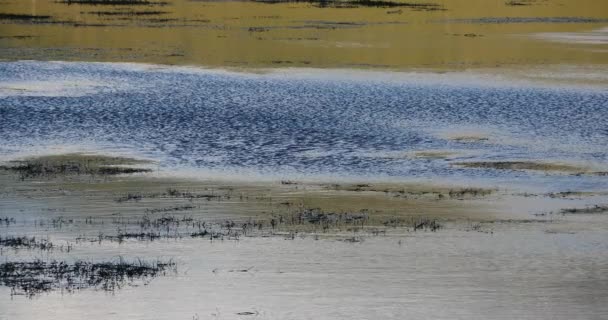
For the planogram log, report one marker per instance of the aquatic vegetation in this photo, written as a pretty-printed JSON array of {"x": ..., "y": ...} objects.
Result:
[
  {"x": 507, "y": 20},
  {"x": 38, "y": 276},
  {"x": 362, "y": 3},
  {"x": 514, "y": 3},
  {"x": 171, "y": 209},
  {"x": 520, "y": 165},
  {"x": 418, "y": 191},
  {"x": 127, "y": 13},
  {"x": 587, "y": 210},
  {"x": 7, "y": 221},
  {"x": 114, "y": 2},
  {"x": 23, "y": 17},
  {"x": 73, "y": 164},
  {"x": 24, "y": 242},
  {"x": 174, "y": 193}
]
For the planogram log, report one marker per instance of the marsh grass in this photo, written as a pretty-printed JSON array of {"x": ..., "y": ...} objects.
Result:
[
  {"x": 302, "y": 221},
  {"x": 24, "y": 242},
  {"x": 174, "y": 194},
  {"x": 418, "y": 192},
  {"x": 35, "y": 277}
]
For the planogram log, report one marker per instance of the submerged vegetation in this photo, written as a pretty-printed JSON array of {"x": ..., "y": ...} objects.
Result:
[
  {"x": 24, "y": 242},
  {"x": 587, "y": 210},
  {"x": 520, "y": 165},
  {"x": 74, "y": 164},
  {"x": 363, "y": 3},
  {"x": 35, "y": 277},
  {"x": 127, "y": 13},
  {"x": 114, "y": 2},
  {"x": 22, "y": 17}
]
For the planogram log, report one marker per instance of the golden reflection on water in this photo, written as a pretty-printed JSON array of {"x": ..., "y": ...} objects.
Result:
[{"x": 249, "y": 34}]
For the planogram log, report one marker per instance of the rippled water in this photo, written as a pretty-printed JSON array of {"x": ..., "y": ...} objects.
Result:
[
  {"x": 311, "y": 123},
  {"x": 301, "y": 123}
]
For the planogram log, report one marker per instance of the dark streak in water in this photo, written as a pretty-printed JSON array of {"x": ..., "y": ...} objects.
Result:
[
  {"x": 127, "y": 13},
  {"x": 114, "y": 2},
  {"x": 22, "y": 17}
]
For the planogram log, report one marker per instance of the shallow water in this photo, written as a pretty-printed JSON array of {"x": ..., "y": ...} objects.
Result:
[
  {"x": 294, "y": 124},
  {"x": 521, "y": 272}
]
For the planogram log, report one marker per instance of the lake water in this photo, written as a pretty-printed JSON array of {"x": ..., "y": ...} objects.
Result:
[
  {"x": 305, "y": 123},
  {"x": 318, "y": 125}
]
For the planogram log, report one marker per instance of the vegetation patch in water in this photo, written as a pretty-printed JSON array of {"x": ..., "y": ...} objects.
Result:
[
  {"x": 114, "y": 2},
  {"x": 35, "y": 277},
  {"x": 520, "y": 3},
  {"x": 22, "y": 17},
  {"x": 74, "y": 164},
  {"x": 506, "y": 20},
  {"x": 520, "y": 165},
  {"x": 587, "y": 210},
  {"x": 24, "y": 242},
  {"x": 362, "y": 3},
  {"x": 128, "y": 13}
]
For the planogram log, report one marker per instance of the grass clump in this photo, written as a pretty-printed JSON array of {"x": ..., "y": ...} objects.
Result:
[
  {"x": 35, "y": 277},
  {"x": 24, "y": 242}
]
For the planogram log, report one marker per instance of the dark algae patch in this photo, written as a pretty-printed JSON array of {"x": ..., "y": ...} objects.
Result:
[{"x": 31, "y": 278}]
